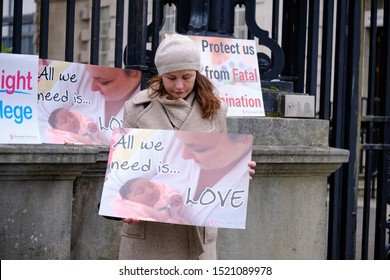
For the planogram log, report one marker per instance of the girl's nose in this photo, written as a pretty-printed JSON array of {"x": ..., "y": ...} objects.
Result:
[{"x": 179, "y": 83}]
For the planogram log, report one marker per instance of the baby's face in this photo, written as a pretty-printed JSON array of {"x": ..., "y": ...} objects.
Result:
[
  {"x": 67, "y": 121},
  {"x": 145, "y": 192}
]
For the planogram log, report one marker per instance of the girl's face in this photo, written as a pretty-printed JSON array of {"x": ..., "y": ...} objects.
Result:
[
  {"x": 67, "y": 121},
  {"x": 179, "y": 84},
  {"x": 113, "y": 83},
  {"x": 145, "y": 192},
  {"x": 210, "y": 152}
]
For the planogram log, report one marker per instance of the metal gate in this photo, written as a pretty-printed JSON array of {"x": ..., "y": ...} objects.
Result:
[
  {"x": 376, "y": 125},
  {"x": 329, "y": 68}
]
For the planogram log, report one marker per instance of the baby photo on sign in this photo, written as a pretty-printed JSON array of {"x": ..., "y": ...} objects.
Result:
[{"x": 178, "y": 177}]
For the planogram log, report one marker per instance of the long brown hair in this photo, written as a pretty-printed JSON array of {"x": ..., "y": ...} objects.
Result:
[{"x": 204, "y": 89}]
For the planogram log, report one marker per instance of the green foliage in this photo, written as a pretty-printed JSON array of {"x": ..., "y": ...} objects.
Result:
[{"x": 5, "y": 50}]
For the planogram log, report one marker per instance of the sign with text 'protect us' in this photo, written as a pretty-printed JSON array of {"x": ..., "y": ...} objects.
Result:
[{"x": 232, "y": 65}]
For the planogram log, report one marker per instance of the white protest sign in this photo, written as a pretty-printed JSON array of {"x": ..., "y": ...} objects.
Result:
[
  {"x": 178, "y": 177},
  {"x": 232, "y": 65},
  {"x": 18, "y": 99},
  {"x": 82, "y": 103}
]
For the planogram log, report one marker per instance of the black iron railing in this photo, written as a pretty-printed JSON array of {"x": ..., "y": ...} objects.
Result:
[{"x": 297, "y": 60}]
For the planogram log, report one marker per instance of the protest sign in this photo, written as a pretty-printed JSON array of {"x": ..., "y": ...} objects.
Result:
[
  {"x": 178, "y": 177},
  {"x": 82, "y": 103},
  {"x": 232, "y": 65},
  {"x": 18, "y": 101}
]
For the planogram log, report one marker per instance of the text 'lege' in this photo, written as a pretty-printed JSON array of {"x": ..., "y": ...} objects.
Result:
[{"x": 18, "y": 113}]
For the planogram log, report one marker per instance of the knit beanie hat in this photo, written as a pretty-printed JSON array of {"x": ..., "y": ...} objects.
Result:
[{"x": 175, "y": 53}]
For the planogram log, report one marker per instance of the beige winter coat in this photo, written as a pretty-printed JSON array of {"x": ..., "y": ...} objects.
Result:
[{"x": 151, "y": 240}]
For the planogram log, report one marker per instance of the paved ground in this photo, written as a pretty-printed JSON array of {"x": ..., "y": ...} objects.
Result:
[
  {"x": 371, "y": 241},
  {"x": 359, "y": 227}
]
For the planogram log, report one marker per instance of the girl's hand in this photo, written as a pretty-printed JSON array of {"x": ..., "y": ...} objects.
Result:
[
  {"x": 131, "y": 221},
  {"x": 251, "y": 165}
]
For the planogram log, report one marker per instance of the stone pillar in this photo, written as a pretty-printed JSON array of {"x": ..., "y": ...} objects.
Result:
[{"x": 41, "y": 204}]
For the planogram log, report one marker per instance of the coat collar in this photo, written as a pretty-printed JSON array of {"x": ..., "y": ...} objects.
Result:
[{"x": 142, "y": 97}]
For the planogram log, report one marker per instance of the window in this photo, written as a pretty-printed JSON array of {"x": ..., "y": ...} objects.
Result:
[
  {"x": 240, "y": 28},
  {"x": 170, "y": 23},
  {"x": 104, "y": 39},
  {"x": 28, "y": 30}
]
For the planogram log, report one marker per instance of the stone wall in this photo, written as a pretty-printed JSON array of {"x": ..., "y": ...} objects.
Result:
[{"x": 49, "y": 196}]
